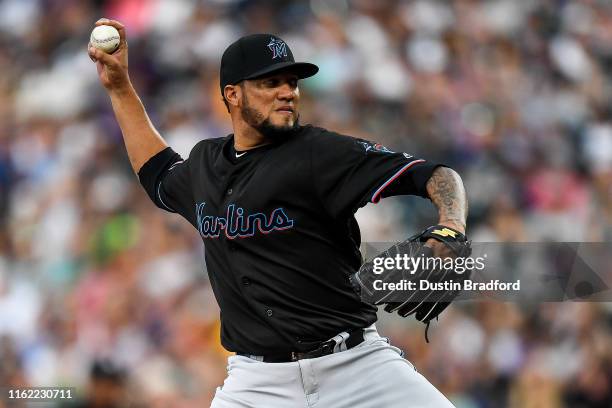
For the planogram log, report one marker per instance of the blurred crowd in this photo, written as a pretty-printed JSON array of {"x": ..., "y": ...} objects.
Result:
[{"x": 101, "y": 291}]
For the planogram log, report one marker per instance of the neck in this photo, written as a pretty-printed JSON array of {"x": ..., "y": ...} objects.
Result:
[{"x": 246, "y": 138}]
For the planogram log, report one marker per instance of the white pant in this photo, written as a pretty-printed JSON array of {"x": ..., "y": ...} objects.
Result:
[{"x": 371, "y": 375}]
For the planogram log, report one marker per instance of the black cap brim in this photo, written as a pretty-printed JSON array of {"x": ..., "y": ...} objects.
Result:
[{"x": 301, "y": 69}]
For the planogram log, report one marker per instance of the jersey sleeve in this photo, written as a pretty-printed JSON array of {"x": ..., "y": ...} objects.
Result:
[
  {"x": 349, "y": 172},
  {"x": 166, "y": 178}
]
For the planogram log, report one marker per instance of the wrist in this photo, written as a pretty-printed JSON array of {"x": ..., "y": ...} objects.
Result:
[
  {"x": 454, "y": 224},
  {"x": 121, "y": 90}
]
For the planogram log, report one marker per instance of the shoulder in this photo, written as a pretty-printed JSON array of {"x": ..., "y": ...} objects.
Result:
[
  {"x": 315, "y": 132},
  {"x": 326, "y": 137},
  {"x": 207, "y": 146},
  {"x": 328, "y": 142}
]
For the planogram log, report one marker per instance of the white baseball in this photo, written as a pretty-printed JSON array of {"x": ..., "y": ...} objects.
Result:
[{"x": 105, "y": 38}]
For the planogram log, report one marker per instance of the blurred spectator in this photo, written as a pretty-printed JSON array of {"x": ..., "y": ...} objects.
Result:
[{"x": 107, "y": 388}]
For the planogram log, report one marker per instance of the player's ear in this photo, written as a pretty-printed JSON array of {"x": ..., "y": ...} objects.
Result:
[{"x": 233, "y": 94}]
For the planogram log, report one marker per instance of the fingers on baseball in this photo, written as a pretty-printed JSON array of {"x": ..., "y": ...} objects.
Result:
[
  {"x": 108, "y": 21},
  {"x": 90, "y": 52},
  {"x": 120, "y": 27},
  {"x": 97, "y": 55}
]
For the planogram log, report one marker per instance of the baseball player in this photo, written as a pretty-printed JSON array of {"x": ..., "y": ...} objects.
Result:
[{"x": 274, "y": 203}]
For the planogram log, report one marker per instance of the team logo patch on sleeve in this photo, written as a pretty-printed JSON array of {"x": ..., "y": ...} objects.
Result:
[
  {"x": 379, "y": 148},
  {"x": 375, "y": 147}
]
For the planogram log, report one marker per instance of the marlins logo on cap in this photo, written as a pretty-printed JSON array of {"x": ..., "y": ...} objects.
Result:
[{"x": 278, "y": 48}]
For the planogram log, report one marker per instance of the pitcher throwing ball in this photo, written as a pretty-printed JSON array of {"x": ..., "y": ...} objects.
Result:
[{"x": 274, "y": 203}]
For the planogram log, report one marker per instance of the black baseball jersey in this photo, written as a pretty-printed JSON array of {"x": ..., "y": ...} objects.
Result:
[{"x": 279, "y": 231}]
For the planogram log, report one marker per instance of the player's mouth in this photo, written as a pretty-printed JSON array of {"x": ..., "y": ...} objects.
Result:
[{"x": 288, "y": 110}]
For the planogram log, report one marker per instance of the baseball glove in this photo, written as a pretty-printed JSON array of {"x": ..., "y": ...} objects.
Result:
[{"x": 427, "y": 285}]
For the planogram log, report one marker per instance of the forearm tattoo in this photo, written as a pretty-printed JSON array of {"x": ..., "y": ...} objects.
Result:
[{"x": 446, "y": 191}]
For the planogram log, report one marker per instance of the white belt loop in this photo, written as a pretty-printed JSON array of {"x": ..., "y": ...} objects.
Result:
[
  {"x": 340, "y": 340},
  {"x": 370, "y": 333}
]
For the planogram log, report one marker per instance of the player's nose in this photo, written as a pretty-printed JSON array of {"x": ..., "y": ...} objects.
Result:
[{"x": 287, "y": 91}]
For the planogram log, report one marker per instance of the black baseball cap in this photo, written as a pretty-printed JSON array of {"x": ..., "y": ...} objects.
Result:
[{"x": 257, "y": 55}]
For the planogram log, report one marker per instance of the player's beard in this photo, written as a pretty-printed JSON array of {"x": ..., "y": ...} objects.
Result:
[{"x": 258, "y": 121}]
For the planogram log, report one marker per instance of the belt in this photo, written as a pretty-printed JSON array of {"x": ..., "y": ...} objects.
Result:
[{"x": 341, "y": 342}]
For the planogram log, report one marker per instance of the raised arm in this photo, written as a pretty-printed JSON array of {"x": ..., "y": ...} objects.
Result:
[
  {"x": 445, "y": 189},
  {"x": 141, "y": 139}
]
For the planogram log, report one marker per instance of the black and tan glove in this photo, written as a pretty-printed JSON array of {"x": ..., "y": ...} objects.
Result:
[{"x": 436, "y": 281}]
